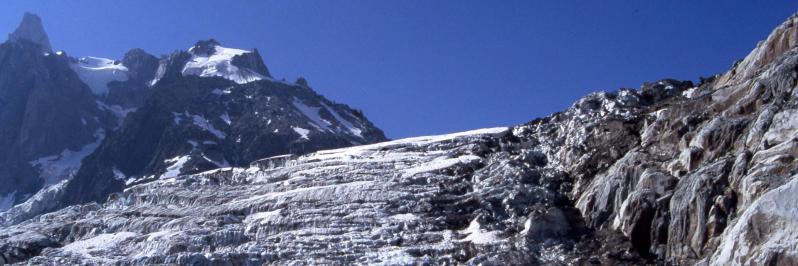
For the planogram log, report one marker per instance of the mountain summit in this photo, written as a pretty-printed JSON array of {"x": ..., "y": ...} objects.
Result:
[
  {"x": 210, "y": 59},
  {"x": 31, "y": 29}
]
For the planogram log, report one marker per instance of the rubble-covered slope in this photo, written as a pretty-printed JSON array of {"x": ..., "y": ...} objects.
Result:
[{"x": 671, "y": 173}]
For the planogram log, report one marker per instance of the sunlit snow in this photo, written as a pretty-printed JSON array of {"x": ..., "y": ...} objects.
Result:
[
  {"x": 62, "y": 166},
  {"x": 176, "y": 166},
  {"x": 220, "y": 64},
  {"x": 98, "y": 72},
  {"x": 302, "y": 132}
]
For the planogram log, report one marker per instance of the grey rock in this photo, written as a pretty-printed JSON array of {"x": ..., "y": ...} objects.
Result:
[{"x": 32, "y": 30}]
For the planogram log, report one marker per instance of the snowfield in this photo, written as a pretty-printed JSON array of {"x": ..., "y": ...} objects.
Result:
[
  {"x": 220, "y": 64},
  {"x": 98, "y": 72}
]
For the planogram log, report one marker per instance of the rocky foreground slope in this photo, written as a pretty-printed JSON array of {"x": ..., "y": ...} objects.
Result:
[{"x": 671, "y": 173}]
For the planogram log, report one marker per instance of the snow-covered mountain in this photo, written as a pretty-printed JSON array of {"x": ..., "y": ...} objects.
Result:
[
  {"x": 673, "y": 173},
  {"x": 210, "y": 59},
  {"x": 111, "y": 123},
  {"x": 192, "y": 123}
]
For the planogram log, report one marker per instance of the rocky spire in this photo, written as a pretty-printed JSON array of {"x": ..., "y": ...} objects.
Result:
[{"x": 31, "y": 29}]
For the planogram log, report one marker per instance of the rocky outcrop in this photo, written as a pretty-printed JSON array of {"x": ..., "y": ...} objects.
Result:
[
  {"x": 715, "y": 153},
  {"x": 132, "y": 93}
]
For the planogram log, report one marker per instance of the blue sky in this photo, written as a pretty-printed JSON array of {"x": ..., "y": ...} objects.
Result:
[{"x": 427, "y": 67}]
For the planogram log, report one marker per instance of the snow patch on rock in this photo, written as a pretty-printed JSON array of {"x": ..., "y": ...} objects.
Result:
[
  {"x": 176, "y": 166},
  {"x": 303, "y": 133},
  {"x": 64, "y": 165},
  {"x": 98, "y": 72}
]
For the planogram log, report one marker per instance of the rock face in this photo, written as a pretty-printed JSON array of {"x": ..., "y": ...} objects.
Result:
[
  {"x": 32, "y": 30},
  {"x": 49, "y": 119},
  {"x": 672, "y": 173}
]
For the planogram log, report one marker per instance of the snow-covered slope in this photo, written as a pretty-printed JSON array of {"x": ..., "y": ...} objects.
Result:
[
  {"x": 213, "y": 60},
  {"x": 62, "y": 166},
  {"x": 98, "y": 72}
]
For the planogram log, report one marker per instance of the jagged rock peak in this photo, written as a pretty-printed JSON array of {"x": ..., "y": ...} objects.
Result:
[
  {"x": 141, "y": 64},
  {"x": 31, "y": 29}
]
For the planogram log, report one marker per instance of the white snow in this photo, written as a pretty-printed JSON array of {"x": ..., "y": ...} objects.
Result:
[
  {"x": 159, "y": 73},
  {"x": 313, "y": 114},
  {"x": 45, "y": 198},
  {"x": 395, "y": 256},
  {"x": 98, "y": 72},
  {"x": 62, "y": 166},
  {"x": 99, "y": 242},
  {"x": 301, "y": 131},
  {"x": 527, "y": 226},
  {"x": 176, "y": 166},
  {"x": 220, "y": 64},
  {"x": 220, "y": 92},
  {"x": 223, "y": 164},
  {"x": 356, "y": 150},
  {"x": 348, "y": 125},
  {"x": 261, "y": 218},
  {"x": 119, "y": 175},
  {"x": 226, "y": 118},
  {"x": 119, "y": 111},
  {"x": 690, "y": 93},
  {"x": 322, "y": 124},
  {"x": 201, "y": 122},
  {"x": 404, "y": 217},
  {"x": 479, "y": 236},
  {"x": 441, "y": 163}
]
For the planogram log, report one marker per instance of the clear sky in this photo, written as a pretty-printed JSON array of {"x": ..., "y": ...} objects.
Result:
[{"x": 420, "y": 67}]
